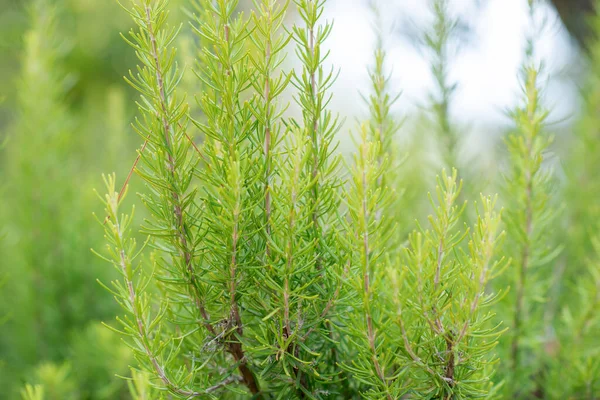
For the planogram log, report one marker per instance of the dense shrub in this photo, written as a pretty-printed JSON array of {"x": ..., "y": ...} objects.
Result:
[
  {"x": 264, "y": 261},
  {"x": 273, "y": 268}
]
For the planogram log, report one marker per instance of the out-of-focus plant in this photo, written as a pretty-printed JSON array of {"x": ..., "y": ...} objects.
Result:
[
  {"x": 580, "y": 169},
  {"x": 51, "y": 382},
  {"x": 578, "y": 330},
  {"x": 140, "y": 387},
  {"x": 438, "y": 40},
  {"x": 373, "y": 236},
  {"x": 33, "y": 217},
  {"x": 370, "y": 231},
  {"x": 251, "y": 246},
  {"x": 97, "y": 367},
  {"x": 443, "y": 308},
  {"x": 530, "y": 214},
  {"x": 383, "y": 127},
  {"x": 45, "y": 195},
  {"x": 577, "y": 282}
]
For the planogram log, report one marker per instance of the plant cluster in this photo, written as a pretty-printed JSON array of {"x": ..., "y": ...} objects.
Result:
[
  {"x": 272, "y": 272},
  {"x": 264, "y": 263}
]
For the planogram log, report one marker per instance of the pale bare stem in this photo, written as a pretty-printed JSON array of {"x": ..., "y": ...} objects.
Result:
[
  {"x": 367, "y": 280},
  {"x": 135, "y": 163},
  {"x": 195, "y": 147},
  {"x": 187, "y": 253},
  {"x": 124, "y": 187}
]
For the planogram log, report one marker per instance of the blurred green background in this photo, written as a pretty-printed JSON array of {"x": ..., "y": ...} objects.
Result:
[{"x": 64, "y": 120}]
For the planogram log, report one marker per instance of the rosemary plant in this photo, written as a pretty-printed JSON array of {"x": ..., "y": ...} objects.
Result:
[
  {"x": 243, "y": 226},
  {"x": 529, "y": 216},
  {"x": 578, "y": 331},
  {"x": 580, "y": 166},
  {"x": 319, "y": 124},
  {"x": 437, "y": 40},
  {"x": 373, "y": 240},
  {"x": 443, "y": 309},
  {"x": 579, "y": 283},
  {"x": 368, "y": 234},
  {"x": 267, "y": 274},
  {"x": 384, "y": 127}
]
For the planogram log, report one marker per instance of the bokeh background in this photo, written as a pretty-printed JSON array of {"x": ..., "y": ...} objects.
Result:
[{"x": 64, "y": 120}]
